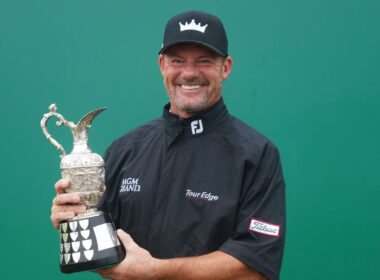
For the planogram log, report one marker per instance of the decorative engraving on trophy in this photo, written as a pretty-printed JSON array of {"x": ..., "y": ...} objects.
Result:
[
  {"x": 75, "y": 245},
  {"x": 84, "y": 169},
  {"x": 61, "y": 245},
  {"x": 73, "y": 225},
  {"x": 65, "y": 236},
  {"x": 76, "y": 257},
  {"x": 83, "y": 223},
  {"x": 87, "y": 244},
  {"x": 85, "y": 233},
  {"x": 60, "y": 258},
  {"x": 67, "y": 247},
  {"x": 89, "y": 254},
  {"x": 67, "y": 258},
  {"x": 74, "y": 235},
  {"x": 63, "y": 227}
]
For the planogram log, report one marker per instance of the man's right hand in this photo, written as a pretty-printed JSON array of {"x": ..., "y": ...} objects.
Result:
[{"x": 65, "y": 205}]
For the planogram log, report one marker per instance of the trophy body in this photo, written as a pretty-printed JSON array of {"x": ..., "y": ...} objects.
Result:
[{"x": 88, "y": 241}]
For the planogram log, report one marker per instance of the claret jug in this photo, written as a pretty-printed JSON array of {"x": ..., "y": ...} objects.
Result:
[{"x": 89, "y": 240}]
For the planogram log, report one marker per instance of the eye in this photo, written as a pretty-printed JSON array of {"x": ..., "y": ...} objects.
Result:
[
  {"x": 176, "y": 61},
  {"x": 204, "y": 61}
]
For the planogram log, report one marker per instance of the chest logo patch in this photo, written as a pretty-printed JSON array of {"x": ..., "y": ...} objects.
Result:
[
  {"x": 264, "y": 227},
  {"x": 201, "y": 195},
  {"x": 196, "y": 127},
  {"x": 130, "y": 185}
]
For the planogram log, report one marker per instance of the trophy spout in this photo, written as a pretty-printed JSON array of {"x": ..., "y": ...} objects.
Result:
[
  {"x": 80, "y": 132},
  {"x": 85, "y": 122}
]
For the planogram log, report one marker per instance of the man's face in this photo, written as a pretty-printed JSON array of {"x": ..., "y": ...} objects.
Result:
[{"x": 193, "y": 77}]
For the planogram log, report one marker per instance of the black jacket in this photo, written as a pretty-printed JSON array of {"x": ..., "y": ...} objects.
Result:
[{"x": 187, "y": 187}]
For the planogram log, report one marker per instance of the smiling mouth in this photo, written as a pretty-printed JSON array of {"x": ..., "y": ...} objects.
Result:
[{"x": 190, "y": 86}]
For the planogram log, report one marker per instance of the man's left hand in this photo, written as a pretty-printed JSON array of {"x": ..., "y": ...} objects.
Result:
[{"x": 137, "y": 264}]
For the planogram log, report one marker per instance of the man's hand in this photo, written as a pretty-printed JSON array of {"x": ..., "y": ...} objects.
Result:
[
  {"x": 65, "y": 205},
  {"x": 137, "y": 264}
]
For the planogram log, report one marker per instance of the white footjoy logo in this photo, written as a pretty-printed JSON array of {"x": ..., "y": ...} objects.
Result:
[
  {"x": 264, "y": 228},
  {"x": 130, "y": 185},
  {"x": 196, "y": 127}
]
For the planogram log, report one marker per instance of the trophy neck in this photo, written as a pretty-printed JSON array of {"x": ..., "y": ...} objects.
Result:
[
  {"x": 80, "y": 135},
  {"x": 80, "y": 148}
]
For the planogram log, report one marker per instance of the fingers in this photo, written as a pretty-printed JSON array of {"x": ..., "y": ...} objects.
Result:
[
  {"x": 60, "y": 213},
  {"x": 126, "y": 239},
  {"x": 61, "y": 185},
  {"x": 65, "y": 198},
  {"x": 57, "y": 218},
  {"x": 104, "y": 274},
  {"x": 65, "y": 205},
  {"x": 76, "y": 209}
]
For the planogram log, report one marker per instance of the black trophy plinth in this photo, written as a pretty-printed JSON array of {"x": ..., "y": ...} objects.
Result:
[{"x": 89, "y": 243}]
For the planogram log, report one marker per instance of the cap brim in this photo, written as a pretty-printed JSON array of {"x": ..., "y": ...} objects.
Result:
[{"x": 193, "y": 42}]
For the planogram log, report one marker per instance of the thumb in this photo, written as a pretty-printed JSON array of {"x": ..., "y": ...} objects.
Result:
[{"x": 126, "y": 239}]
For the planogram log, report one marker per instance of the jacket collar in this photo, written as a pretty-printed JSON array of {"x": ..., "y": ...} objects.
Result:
[{"x": 195, "y": 125}]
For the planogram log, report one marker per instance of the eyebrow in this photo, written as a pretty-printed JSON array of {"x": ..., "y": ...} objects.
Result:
[
  {"x": 211, "y": 55},
  {"x": 208, "y": 56}
]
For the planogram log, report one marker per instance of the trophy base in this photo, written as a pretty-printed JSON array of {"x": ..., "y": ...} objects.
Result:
[{"x": 89, "y": 242}]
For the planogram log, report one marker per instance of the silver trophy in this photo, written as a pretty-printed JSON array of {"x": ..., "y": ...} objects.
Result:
[{"x": 89, "y": 240}]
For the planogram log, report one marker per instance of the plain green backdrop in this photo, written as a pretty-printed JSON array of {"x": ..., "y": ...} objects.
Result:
[{"x": 306, "y": 74}]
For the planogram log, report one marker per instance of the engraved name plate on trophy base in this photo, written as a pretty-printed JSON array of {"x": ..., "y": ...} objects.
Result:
[{"x": 89, "y": 240}]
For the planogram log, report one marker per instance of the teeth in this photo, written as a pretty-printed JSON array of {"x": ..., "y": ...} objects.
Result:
[{"x": 190, "y": 87}]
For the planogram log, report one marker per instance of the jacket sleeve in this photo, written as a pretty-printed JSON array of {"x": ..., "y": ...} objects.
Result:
[{"x": 259, "y": 236}]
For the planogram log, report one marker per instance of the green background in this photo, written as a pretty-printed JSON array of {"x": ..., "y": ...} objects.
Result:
[{"x": 306, "y": 74}]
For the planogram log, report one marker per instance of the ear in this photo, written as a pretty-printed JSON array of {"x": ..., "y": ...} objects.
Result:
[
  {"x": 161, "y": 63},
  {"x": 227, "y": 67}
]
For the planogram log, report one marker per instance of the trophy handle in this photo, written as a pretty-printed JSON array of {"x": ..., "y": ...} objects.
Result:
[{"x": 61, "y": 121}]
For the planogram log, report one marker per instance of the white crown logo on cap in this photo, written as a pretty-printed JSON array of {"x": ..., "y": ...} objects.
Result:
[{"x": 192, "y": 26}]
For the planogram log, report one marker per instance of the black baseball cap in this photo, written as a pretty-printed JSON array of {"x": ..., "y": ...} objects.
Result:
[{"x": 196, "y": 27}]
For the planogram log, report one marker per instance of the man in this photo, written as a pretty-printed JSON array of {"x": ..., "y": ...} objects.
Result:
[{"x": 200, "y": 193}]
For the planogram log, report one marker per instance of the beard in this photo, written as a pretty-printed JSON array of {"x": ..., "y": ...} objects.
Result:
[
  {"x": 200, "y": 103},
  {"x": 190, "y": 108}
]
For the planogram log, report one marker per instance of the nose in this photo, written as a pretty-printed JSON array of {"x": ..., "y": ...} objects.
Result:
[{"x": 190, "y": 71}]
